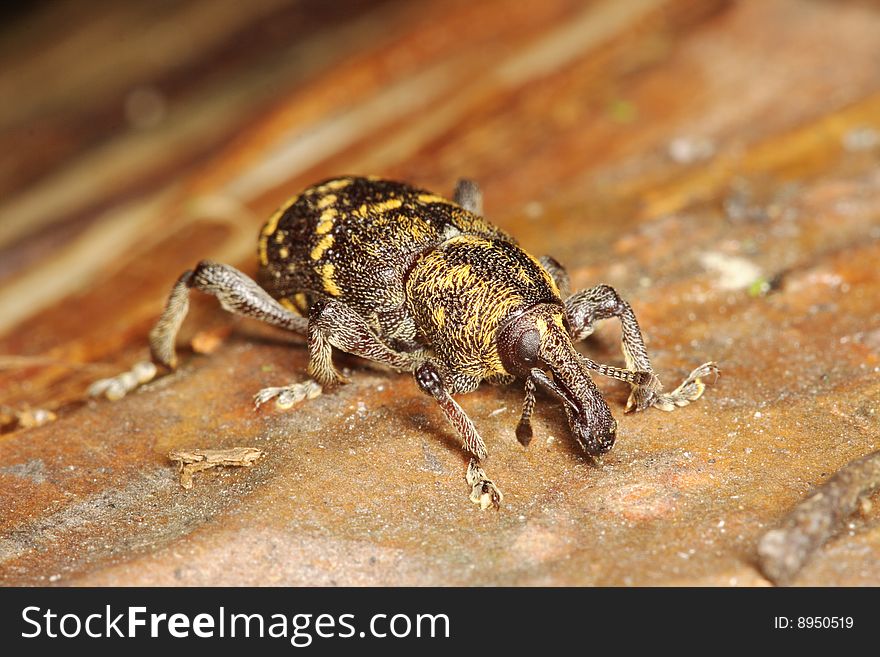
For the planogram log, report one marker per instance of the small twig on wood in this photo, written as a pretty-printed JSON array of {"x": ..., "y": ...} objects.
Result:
[
  {"x": 783, "y": 551},
  {"x": 196, "y": 460}
]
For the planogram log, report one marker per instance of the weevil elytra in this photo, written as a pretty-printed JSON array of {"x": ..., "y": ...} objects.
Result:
[{"x": 405, "y": 277}]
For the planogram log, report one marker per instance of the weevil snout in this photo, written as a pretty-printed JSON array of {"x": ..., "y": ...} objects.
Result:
[
  {"x": 595, "y": 438},
  {"x": 538, "y": 345},
  {"x": 589, "y": 417}
]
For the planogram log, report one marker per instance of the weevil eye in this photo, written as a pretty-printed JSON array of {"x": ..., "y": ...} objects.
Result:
[{"x": 527, "y": 346}]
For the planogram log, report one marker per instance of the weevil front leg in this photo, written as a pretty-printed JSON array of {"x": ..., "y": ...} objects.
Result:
[
  {"x": 333, "y": 324},
  {"x": 587, "y": 307},
  {"x": 236, "y": 292},
  {"x": 524, "y": 428},
  {"x": 483, "y": 490}
]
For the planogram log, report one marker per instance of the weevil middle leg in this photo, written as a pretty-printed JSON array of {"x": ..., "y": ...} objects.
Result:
[
  {"x": 333, "y": 324},
  {"x": 557, "y": 273}
]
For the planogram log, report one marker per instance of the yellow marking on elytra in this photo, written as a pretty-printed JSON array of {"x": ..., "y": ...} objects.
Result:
[
  {"x": 284, "y": 252},
  {"x": 327, "y": 201},
  {"x": 469, "y": 222},
  {"x": 270, "y": 227},
  {"x": 287, "y": 303},
  {"x": 433, "y": 198},
  {"x": 279, "y": 236},
  {"x": 333, "y": 185},
  {"x": 300, "y": 300},
  {"x": 385, "y": 206},
  {"x": 327, "y": 272},
  {"x": 325, "y": 222},
  {"x": 272, "y": 224},
  {"x": 325, "y": 243}
]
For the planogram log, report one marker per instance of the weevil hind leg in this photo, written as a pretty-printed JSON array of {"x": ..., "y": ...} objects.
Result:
[
  {"x": 236, "y": 292},
  {"x": 469, "y": 196},
  {"x": 587, "y": 307},
  {"x": 430, "y": 379},
  {"x": 116, "y": 387}
]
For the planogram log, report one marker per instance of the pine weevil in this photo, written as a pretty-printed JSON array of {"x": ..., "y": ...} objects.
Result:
[{"x": 399, "y": 275}]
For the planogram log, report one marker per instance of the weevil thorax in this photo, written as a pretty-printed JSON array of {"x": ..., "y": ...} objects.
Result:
[
  {"x": 537, "y": 343},
  {"x": 463, "y": 291}
]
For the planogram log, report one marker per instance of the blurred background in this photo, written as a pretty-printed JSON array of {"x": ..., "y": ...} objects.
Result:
[{"x": 715, "y": 161}]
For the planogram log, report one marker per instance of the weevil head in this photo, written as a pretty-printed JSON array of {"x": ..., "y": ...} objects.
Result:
[{"x": 537, "y": 344}]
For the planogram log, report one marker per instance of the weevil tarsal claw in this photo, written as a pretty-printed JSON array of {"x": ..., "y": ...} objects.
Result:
[
  {"x": 286, "y": 396},
  {"x": 483, "y": 490},
  {"x": 689, "y": 390},
  {"x": 116, "y": 387}
]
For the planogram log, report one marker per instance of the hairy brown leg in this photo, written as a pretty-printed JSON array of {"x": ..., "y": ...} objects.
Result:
[
  {"x": 557, "y": 273},
  {"x": 524, "y": 428},
  {"x": 236, "y": 292},
  {"x": 469, "y": 196},
  {"x": 333, "y": 324},
  {"x": 587, "y": 307},
  {"x": 483, "y": 490}
]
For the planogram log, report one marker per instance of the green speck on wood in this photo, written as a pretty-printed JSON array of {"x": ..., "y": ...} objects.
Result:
[
  {"x": 759, "y": 288},
  {"x": 623, "y": 111}
]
